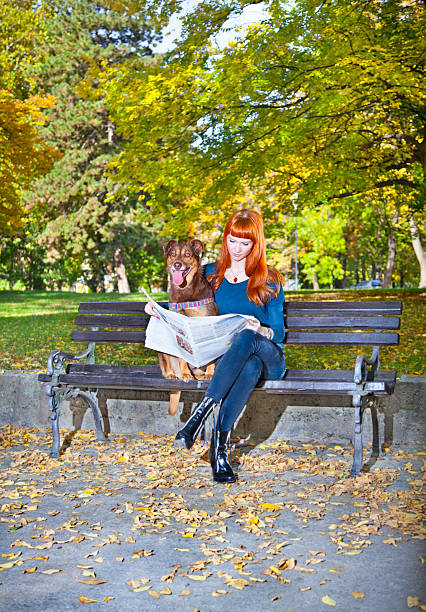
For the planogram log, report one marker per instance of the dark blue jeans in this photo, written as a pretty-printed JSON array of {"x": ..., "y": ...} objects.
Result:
[{"x": 250, "y": 357}]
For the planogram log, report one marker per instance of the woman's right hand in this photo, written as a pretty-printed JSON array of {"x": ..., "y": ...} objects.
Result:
[{"x": 149, "y": 309}]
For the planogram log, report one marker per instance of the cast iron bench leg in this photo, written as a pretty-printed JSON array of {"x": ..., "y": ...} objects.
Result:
[
  {"x": 54, "y": 417},
  {"x": 357, "y": 442},
  {"x": 92, "y": 400},
  {"x": 375, "y": 423}
]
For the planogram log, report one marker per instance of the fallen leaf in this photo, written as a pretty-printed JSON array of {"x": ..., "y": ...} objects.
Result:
[
  {"x": 412, "y": 602},
  {"x": 165, "y": 591},
  {"x": 30, "y": 570},
  {"x": 358, "y": 595},
  {"x": 308, "y": 588},
  {"x": 199, "y": 576},
  {"x": 185, "y": 592},
  {"x": 276, "y": 598},
  {"x": 107, "y": 598},
  {"x": 140, "y": 589},
  {"x": 86, "y": 600},
  {"x": 93, "y": 581},
  {"x": 51, "y": 571},
  {"x": 154, "y": 594},
  {"x": 237, "y": 583},
  {"x": 328, "y": 601}
]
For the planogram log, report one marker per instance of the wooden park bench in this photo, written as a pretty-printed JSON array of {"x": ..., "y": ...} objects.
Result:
[{"x": 360, "y": 324}]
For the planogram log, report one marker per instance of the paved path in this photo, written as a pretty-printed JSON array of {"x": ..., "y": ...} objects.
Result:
[{"x": 133, "y": 524}]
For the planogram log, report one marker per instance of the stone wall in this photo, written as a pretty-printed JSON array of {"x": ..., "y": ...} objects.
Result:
[{"x": 287, "y": 417}]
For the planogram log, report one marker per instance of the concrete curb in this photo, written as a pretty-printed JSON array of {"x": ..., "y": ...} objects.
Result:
[{"x": 23, "y": 402}]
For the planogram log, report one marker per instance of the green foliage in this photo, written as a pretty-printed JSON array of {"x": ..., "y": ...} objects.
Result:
[{"x": 24, "y": 154}]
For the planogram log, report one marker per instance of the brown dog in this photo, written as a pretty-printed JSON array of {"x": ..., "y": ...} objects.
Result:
[{"x": 187, "y": 285}]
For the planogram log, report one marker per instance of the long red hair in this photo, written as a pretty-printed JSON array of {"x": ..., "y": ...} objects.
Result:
[{"x": 264, "y": 281}]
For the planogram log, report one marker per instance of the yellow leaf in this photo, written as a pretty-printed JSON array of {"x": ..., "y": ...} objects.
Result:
[
  {"x": 140, "y": 589},
  {"x": 154, "y": 594},
  {"x": 93, "y": 581},
  {"x": 89, "y": 573},
  {"x": 51, "y": 571},
  {"x": 412, "y": 602},
  {"x": 107, "y": 598},
  {"x": 269, "y": 506},
  {"x": 8, "y": 565},
  {"x": 328, "y": 601},
  {"x": 30, "y": 570},
  {"x": 237, "y": 583},
  {"x": 165, "y": 591},
  {"x": 199, "y": 577},
  {"x": 357, "y": 595},
  {"x": 86, "y": 600},
  {"x": 185, "y": 592}
]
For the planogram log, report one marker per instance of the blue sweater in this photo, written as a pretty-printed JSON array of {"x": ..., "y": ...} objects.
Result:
[{"x": 232, "y": 298}]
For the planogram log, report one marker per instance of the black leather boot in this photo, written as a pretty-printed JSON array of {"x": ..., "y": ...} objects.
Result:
[
  {"x": 189, "y": 432},
  {"x": 221, "y": 467}
]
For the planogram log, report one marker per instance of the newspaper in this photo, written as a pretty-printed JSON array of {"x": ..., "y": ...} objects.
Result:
[{"x": 198, "y": 340}]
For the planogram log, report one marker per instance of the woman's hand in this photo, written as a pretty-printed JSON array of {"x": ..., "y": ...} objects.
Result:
[
  {"x": 149, "y": 309},
  {"x": 255, "y": 325}
]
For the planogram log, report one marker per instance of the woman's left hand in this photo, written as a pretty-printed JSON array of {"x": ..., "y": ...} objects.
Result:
[{"x": 254, "y": 324}]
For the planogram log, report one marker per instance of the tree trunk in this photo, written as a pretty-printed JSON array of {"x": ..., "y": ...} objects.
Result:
[
  {"x": 120, "y": 270},
  {"x": 315, "y": 282},
  {"x": 418, "y": 249},
  {"x": 387, "y": 277}
]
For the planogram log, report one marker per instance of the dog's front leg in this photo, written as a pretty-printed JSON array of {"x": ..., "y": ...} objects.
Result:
[
  {"x": 169, "y": 366},
  {"x": 185, "y": 372}
]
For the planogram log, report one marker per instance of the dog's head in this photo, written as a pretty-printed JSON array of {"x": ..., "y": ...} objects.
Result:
[{"x": 183, "y": 261}]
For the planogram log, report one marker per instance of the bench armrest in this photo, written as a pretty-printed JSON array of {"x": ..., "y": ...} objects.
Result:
[
  {"x": 364, "y": 365},
  {"x": 56, "y": 359}
]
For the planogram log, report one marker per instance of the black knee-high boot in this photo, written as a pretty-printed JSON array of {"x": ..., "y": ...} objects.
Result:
[
  {"x": 221, "y": 467},
  {"x": 188, "y": 434}
]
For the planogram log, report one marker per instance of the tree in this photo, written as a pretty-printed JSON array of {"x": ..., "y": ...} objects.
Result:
[
  {"x": 323, "y": 99},
  {"x": 79, "y": 225},
  {"x": 24, "y": 154}
]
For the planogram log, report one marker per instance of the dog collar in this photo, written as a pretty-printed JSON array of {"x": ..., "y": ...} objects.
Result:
[{"x": 176, "y": 306}]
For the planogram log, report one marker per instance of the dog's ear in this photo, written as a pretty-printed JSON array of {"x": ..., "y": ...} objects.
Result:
[
  {"x": 197, "y": 246},
  {"x": 168, "y": 247}
]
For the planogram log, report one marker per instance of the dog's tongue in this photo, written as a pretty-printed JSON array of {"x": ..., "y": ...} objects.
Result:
[{"x": 177, "y": 277}]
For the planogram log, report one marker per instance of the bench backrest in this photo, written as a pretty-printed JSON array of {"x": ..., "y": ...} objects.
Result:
[{"x": 343, "y": 323}]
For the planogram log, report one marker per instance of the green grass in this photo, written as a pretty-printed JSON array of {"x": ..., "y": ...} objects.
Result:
[{"x": 33, "y": 323}]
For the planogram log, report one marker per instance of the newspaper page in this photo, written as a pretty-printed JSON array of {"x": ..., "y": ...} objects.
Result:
[{"x": 198, "y": 340}]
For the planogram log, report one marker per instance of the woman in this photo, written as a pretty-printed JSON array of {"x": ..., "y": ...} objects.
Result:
[{"x": 243, "y": 283}]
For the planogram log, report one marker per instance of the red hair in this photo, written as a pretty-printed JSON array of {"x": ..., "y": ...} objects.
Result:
[{"x": 264, "y": 281}]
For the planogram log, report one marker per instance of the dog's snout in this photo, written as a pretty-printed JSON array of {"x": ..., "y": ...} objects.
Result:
[{"x": 177, "y": 265}]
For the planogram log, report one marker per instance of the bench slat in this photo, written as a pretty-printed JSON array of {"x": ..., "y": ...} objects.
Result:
[
  {"x": 343, "y": 308},
  {"x": 294, "y": 308},
  {"x": 292, "y": 322},
  {"x": 291, "y": 374},
  {"x": 272, "y": 386},
  {"x": 292, "y": 337},
  {"x": 343, "y": 338},
  {"x": 333, "y": 322},
  {"x": 108, "y": 336},
  {"x": 111, "y": 321},
  {"x": 114, "y": 307}
]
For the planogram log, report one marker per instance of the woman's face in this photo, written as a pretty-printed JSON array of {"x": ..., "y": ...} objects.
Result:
[{"x": 238, "y": 248}]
